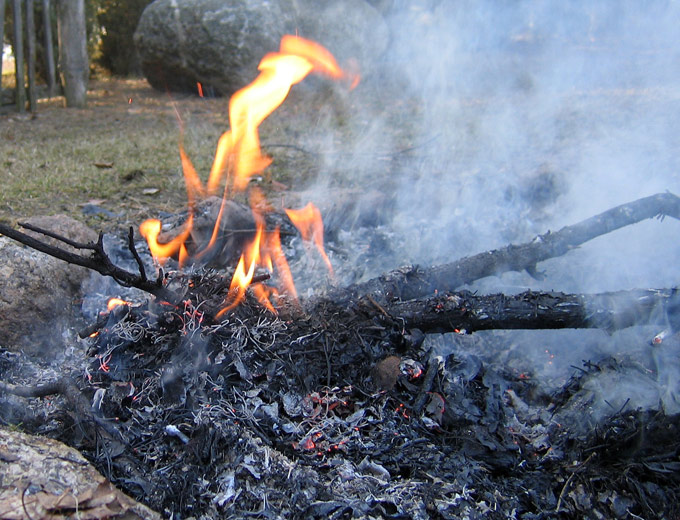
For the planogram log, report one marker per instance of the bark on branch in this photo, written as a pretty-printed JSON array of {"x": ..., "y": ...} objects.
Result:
[
  {"x": 97, "y": 261},
  {"x": 539, "y": 310},
  {"x": 391, "y": 292},
  {"x": 415, "y": 282}
]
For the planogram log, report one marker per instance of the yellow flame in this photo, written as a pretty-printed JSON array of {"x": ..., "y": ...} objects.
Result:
[
  {"x": 309, "y": 223},
  {"x": 150, "y": 229},
  {"x": 239, "y": 156},
  {"x": 116, "y": 302}
]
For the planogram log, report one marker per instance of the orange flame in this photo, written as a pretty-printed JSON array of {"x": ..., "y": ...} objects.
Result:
[
  {"x": 239, "y": 156},
  {"x": 309, "y": 223},
  {"x": 276, "y": 256},
  {"x": 238, "y": 151},
  {"x": 242, "y": 278},
  {"x": 150, "y": 229}
]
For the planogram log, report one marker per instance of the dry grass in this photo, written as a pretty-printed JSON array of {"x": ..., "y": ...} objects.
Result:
[
  {"x": 50, "y": 161},
  {"x": 121, "y": 152},
  {"x": 113, "y": 153}
]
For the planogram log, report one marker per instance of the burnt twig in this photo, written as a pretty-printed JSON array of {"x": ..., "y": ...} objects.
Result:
[
  {"x": 66, "y": 387},
  {"x": 97, "y": 261},
  {"x": 135, "y": 254}
]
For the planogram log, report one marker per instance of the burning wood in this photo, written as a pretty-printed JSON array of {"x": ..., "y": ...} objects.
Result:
[
  {"x": 238, "y": 158},
  {"x": 405, "y": 293},
  {"x": 228, "y": 396}
]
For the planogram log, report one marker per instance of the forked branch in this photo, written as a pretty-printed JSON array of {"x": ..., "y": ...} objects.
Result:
[{"x": 97, "y": 260}]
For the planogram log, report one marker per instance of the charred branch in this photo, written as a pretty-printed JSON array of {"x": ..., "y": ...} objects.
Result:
[
  {"x": 97, "y": 261},
  {"x": 405, "y": 293},
  {"x": 65, "y": 386},
  {"x": 464, "y": 311},
  {"x": 415, "y": 282}
]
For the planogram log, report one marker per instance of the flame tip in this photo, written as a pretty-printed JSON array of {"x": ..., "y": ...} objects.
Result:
[{"x": 238, "y": 157}]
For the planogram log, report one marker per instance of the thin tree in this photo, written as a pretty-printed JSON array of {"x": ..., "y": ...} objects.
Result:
[
  {"x": 49, "y": 49},
  {"x": 73, "y": 51},
  {"x": 19, "y": 57},
  {"x": 2, "y": 34},
  {"x": 31, "y": 44}
]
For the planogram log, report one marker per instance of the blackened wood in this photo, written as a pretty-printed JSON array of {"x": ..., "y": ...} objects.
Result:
[
  {"x": 415, "y": 282},
  {"x": 135, "y": 254},
  {"x": 43, "y": 390},
  {"x": 97, "y": 261},
  {"x": 539, "y": 310},
  {"x": 79, "y": 403},
  {"x": 391, "y": 294}
]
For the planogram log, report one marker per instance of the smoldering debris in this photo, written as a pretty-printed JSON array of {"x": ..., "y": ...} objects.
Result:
[{"x": 284, "y": 416}]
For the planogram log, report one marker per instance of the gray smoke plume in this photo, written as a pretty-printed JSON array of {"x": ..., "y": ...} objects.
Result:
[{"x": 508, "y": 119}]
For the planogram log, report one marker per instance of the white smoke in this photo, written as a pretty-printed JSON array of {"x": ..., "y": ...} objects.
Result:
[
  {"x": 528, "y": 116},
  {"x": 541, "y": 114}
]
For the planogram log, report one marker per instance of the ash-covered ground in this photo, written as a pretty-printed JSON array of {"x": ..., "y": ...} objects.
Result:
[{"x": 331, "y": 409}]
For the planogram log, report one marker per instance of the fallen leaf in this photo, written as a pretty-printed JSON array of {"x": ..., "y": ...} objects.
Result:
[{"x": 92, "y": 202}]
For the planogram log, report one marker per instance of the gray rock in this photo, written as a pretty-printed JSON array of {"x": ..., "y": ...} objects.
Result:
[
  {"x": 63, "y": 483},
  {"x": 220, "y": 43},
  {"x": 37, "y": 291}
]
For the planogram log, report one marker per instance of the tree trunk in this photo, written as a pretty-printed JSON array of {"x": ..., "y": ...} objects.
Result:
[
  {"x": 2, "y": 33},
  {"x": 30, "y": 41},
  {"x": 49, "y": 49},
  {"x": 73, "y": 51},
  {"x": 19, "y": 57}
]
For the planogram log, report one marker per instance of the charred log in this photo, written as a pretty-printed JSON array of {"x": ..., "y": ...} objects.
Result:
[
  {"x": 464, "y": 311},
  {"x": 414, "y": 282},
  {"x": 396, "y": 293}
]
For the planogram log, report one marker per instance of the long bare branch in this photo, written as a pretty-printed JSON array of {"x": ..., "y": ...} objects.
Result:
[{"x": 415, "y": 282}]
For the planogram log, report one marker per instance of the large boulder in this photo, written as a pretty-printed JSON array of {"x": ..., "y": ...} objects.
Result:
[{"x": 219, "y": 43}]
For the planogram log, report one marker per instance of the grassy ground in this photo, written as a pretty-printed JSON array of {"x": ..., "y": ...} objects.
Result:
[
  {"x": 121, "y": 153},
  {"x": 123, "y": 143}
]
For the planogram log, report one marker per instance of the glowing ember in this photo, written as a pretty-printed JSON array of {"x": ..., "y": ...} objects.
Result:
[
  {"x": 116, "y": 302},
  {"x": 238, "y": 157}
]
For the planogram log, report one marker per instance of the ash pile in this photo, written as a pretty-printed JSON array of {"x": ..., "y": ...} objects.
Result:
[{"x": 332, "y": 408}]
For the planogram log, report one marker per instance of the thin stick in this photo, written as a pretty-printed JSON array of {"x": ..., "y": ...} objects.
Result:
[
  {"x": 133, "y": 250},
  {"x": 78, "y": 245},
  {"x": 97, "y": 261}
]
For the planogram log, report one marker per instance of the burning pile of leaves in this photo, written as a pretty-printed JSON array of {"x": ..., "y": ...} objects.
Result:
[
  {"x": 225, "y": 396},
  {"x": 339, "y": 413}
]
